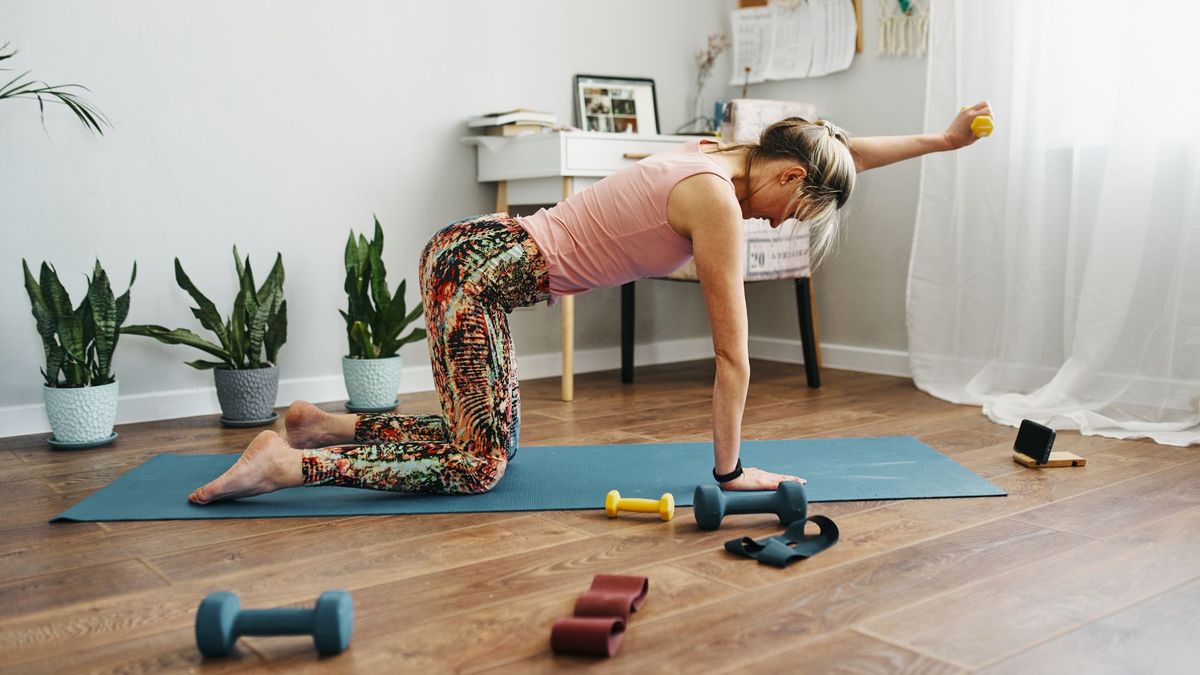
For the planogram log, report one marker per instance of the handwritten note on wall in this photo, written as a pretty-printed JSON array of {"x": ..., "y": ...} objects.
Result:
[{"x": 810, "y": 38}]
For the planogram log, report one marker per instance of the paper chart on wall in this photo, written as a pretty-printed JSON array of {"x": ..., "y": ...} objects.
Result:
[
  {"x": 810, "y": 38},
  {"x": 751, "y": 30}
]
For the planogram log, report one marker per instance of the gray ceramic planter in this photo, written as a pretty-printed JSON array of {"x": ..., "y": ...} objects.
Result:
[
  {"x": 247, "y": 395},
  {"x": 372, "y": 383},
  {"x": 81, "y": 414}
]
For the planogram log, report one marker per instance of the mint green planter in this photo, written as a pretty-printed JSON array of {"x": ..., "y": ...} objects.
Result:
[
  {"x": 372, "y": 383},
  {"x": 81, "y": 414}
]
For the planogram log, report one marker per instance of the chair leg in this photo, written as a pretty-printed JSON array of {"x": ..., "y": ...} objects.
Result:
[
  {"x": 627, "y": 306},
  {"x": 808, "y": 340}
]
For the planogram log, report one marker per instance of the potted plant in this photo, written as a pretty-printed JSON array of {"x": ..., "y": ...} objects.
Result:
[
  {"x": 248, "y": 343},
  {"x": 374, "y": 321},
  {"x": 79, "y": 344}
]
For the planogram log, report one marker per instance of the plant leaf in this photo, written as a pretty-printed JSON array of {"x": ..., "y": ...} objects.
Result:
[
  {"x": 103, "y": 319},
  {"x": 276, "y": 333},
  {"x": 360, "y": 342},
  {"x": 123, "y": 301},
  {"x": 416, "y": 335},
  {"x": 246, "y": 282},
  {"x": 237, "y": 332},
  {"x": 206, "y": 311},
  {"x": 70, "y": 330},
  {"x": 257, "y": 328},
  {"x": 206, "y": 365},
  {"x": 179, "y": 336},
  {"x": 45, "y": 325}
]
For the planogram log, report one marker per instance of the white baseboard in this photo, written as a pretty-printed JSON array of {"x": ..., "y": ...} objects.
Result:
[
  {"x": 841, "y": 357},
  {"x": 31, "y": 419}
]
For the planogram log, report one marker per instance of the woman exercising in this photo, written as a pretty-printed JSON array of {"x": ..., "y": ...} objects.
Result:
[{"x": 644, "y": 221}]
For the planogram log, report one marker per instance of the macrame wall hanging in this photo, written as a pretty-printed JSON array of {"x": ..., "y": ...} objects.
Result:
[{"x": 903, "y": 27}]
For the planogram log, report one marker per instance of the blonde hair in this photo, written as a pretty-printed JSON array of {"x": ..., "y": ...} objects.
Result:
[{"x": 824, "y": 151}]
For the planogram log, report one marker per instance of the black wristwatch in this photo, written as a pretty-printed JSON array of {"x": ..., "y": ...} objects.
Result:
[{"x": 732, "y": 475}]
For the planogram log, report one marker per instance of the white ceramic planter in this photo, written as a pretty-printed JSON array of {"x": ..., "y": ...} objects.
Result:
[
  {"x": 372, "y": 383},
  {"x": 81, "y": 414}
]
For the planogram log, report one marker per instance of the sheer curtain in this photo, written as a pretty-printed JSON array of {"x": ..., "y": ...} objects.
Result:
[{"x": 1055, "y": 270}]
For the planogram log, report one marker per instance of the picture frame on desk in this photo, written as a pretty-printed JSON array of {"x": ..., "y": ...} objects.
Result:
[{"x": 616, "y": 104}]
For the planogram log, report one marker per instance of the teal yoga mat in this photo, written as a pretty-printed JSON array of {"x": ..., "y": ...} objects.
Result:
[{"x": 557, "y": 477}]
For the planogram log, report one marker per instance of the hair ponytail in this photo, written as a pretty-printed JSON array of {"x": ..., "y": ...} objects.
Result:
[{"x": 824, "y": 151}]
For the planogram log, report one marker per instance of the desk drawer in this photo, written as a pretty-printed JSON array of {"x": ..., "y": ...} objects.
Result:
[{"x": 611, "y": 154}]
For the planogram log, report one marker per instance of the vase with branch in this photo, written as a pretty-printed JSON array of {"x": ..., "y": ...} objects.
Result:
[{"x": 705, "y": 60}]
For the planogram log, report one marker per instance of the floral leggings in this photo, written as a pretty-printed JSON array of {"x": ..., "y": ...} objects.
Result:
[{"x": 473, "y": 273}]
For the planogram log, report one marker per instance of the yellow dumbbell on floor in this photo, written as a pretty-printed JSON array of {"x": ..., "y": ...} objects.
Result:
[{"x": 664, "y": 506}]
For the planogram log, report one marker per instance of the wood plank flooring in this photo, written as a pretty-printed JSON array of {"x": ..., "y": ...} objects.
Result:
[{"x": 1093, "y": 569}]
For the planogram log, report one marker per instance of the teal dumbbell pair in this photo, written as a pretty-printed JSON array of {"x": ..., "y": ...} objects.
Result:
[{"x": 220, "y": 621}]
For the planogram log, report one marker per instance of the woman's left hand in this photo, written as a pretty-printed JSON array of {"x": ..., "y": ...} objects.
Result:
[
  {"x": 959, "y": 134},
  {"x": 756, "y": 479}
]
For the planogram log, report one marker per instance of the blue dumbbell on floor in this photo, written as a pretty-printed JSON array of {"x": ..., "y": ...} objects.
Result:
[{"x": 220, "y": 621}]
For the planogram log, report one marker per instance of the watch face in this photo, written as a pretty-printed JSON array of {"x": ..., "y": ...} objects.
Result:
[{"x": 1034, "y": 440}]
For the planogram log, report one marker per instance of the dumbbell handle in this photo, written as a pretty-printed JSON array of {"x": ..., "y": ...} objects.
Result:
[
  {"x": 752, "y": 502},
  {"x": 639, "y": 505},
  {"x": 278, "y": 621}
]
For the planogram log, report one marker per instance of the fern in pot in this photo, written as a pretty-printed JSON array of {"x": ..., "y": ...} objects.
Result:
[
  {"x": 80, "y": 389},
  {"x": 247, "y": 346},
  {"x": 374, "y": 321}
]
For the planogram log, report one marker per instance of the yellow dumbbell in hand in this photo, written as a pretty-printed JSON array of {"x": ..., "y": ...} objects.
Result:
[
  {"x": 664, "y": 506},
  {"x": 981, "y": 125}
]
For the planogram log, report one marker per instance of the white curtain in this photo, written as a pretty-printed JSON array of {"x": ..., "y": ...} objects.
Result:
[{"x": 1055, "y": 270}]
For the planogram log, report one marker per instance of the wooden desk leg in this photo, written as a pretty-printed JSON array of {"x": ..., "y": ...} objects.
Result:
[
  {"x": 568, "y": 323},
  {"x": 502, "y": 196},
  {"x": 568, "y": 347}
]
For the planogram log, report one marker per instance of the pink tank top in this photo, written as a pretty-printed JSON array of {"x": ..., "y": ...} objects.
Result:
[{"x": 616, "y": 231}]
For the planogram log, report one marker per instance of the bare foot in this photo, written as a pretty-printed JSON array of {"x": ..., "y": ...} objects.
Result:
[
  {"x": 304, "y": 425},
  {"x": 267, "y": 465}
]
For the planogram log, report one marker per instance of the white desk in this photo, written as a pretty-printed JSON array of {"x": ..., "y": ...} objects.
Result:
[{"x": 547, "y": 168}]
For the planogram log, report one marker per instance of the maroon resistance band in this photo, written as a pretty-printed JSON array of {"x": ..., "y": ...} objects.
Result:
[{"x": 601, "y": 615}]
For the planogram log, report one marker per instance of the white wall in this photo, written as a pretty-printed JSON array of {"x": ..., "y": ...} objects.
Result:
[
  {"x": 279, "y": 125},
  {"x": 860, "y": 291}
]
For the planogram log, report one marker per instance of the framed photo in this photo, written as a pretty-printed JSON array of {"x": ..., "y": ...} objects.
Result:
[{"x": 623, "y": 105}]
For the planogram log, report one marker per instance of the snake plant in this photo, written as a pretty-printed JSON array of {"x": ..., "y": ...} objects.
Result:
[
  {"x": 249, "y": 338},
  {"x": 79, "y": 343},
  {"x": 374, "y": 318}
]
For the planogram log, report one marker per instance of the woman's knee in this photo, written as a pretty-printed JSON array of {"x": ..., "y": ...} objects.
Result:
[{"x": 483, "y": 477}]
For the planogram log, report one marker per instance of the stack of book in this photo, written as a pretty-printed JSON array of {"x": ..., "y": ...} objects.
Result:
[{"x": 517, "y": 122}]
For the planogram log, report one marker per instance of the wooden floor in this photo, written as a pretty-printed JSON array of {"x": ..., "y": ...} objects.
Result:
[{"x": 1077, "y": 570}]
